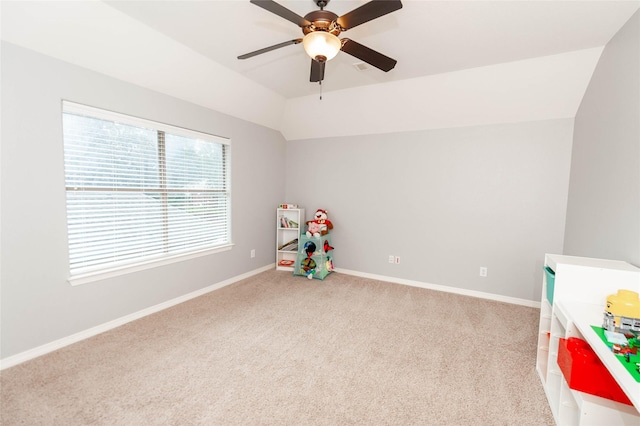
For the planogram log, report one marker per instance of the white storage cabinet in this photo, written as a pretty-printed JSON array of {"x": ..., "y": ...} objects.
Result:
[
  {"x": 579, "y": 296},
  {"x": 286, "y": 256}
]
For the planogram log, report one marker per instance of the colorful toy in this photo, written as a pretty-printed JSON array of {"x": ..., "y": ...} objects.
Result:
[
  {"x": 329, "y": 265},
  {"x": 308, "y": 267},
  {"x": 313, "y": 260},
  {"x": 320, "y": 219},
  {"x": 327, "y": 247},
  {"x": 309, "y": 248},
  {"x": 313, "y": 229},
  {"x": 583, "y": 370},
  {"x": 622, "y": 312}
]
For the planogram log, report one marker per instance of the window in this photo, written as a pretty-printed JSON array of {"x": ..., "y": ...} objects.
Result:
[{"x": 139, "y": 191}]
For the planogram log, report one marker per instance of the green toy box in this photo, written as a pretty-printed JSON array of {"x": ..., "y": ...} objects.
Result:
[
  {"x": 315, "y": 257},
  {"x": 551, "y": 280}
]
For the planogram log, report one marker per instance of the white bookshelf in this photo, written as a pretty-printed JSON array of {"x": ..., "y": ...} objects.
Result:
[
  {"x": 287, "y": 234},
  {"x": 579, "y": 296}
]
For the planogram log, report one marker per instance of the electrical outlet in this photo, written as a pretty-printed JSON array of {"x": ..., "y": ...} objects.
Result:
[
  {"x": 397, "y": 259},
  {"x": 392, "y": 258},
  {"x": 483, "y": 271},
  {"x": 253, "y": 253}
]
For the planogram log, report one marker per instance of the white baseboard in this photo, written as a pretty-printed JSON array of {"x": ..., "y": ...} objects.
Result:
[
  {"x": 74, "y": 338},
  {"x": 447, "y": 289}
]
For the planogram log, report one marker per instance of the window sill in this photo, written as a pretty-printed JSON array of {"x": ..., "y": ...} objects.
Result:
[{"x": 89, "y": 277}]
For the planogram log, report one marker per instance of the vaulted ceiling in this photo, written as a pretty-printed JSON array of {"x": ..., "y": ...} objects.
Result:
[{"x": 459, "y": 62}]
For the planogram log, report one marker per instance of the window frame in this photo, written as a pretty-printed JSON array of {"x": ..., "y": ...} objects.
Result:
[{"x": 106, "y": 271}]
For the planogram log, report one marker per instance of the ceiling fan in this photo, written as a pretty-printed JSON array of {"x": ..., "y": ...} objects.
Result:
[{"x": 321, "y": 29}]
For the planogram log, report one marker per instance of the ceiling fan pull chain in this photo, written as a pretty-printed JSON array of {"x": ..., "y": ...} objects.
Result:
[{"x": 320, "y": 83}]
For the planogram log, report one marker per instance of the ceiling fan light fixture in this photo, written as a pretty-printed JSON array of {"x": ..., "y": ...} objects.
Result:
[{"x": 321, "y": 44}]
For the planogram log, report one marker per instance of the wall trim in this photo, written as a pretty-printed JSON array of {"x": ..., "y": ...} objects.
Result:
[
  {"x": 74, "y": 338},
  {"x": 93, "y": 331},
  {"x": 447, "y": 289}
]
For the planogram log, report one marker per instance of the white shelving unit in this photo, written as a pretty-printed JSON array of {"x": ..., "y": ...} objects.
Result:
[
  {"x": 287, "y": 234},
  {"x": 579, "y": 296}
]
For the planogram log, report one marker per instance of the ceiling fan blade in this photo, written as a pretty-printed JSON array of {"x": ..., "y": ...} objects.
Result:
[
  {"x": 281, "y": 11},
  {"x": 370, "y": 56},
  {"x": 367, "y": 12},
  {"x": 317, "y": 71},
  {"x": 270, "y": 48}
]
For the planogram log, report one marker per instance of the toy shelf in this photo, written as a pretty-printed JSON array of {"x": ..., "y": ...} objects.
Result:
[
  {"x": 316, "y": 263},
  {"x": 576, "y": 301}
]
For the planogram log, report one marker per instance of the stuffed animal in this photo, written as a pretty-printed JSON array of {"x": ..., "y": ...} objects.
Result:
[
  {"x": 313, "y": 228},
  {"x": 320, "y": 218}
]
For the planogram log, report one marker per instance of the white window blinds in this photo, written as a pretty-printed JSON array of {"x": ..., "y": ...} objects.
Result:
[{"x": 139, "y": 190}]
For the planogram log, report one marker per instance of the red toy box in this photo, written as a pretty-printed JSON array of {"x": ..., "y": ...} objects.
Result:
[{"x": 584, "y": 372}]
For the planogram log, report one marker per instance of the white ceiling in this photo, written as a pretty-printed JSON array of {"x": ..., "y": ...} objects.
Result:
[
  {"x": 459, "y": 62},
  {"x": 425, "y": 37}
]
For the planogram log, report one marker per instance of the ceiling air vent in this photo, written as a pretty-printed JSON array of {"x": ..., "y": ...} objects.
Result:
[{"x": 361, "y": 66}]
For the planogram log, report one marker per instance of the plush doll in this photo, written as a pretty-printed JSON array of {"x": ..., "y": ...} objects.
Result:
[
  {"x": 320, "y": 218},
  {"x": 313, "y": 228}
]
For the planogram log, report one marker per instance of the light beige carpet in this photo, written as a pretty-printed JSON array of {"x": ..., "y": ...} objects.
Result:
[{"x": 278, "y": 349}]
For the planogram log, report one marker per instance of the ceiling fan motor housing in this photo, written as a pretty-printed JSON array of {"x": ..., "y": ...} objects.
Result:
[{"x": 322, "y": 20}]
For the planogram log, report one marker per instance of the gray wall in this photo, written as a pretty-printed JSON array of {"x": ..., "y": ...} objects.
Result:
[
  {"x": 38, "y": 305},
  {"x": 446, "y": 201},
  {"x": 603, "y": 212}
]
